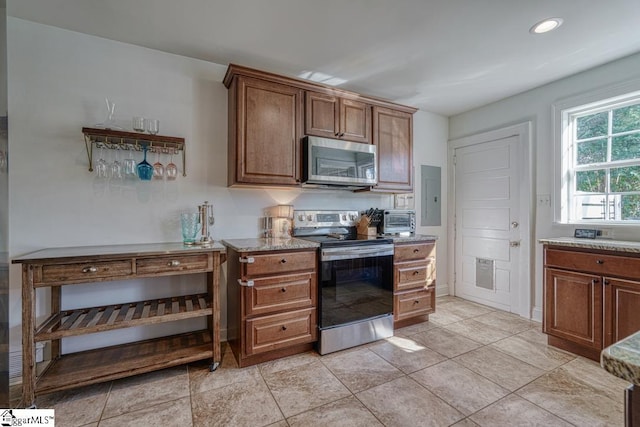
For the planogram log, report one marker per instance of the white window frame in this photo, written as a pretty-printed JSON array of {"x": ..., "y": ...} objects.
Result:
[{"x": 591, "y": 102}]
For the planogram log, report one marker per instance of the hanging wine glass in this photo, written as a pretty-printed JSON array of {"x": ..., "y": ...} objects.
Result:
[
  {"x": 171, "y": 170},
  {"x": 158, "y": 168},
  {"x": 116, "y": 167},
  {"x": 145, "y": 170},
  {"x": 101, "y": 165}
]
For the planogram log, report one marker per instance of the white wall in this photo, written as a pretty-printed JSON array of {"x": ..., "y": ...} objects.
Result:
[
  {"x": 58, "y": 80},
  {"x": 535, "y": 105}
]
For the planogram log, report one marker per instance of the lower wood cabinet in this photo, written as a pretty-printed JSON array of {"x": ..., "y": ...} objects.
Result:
[
  {"x": 414, "y": 268},
  {"x": 591, "y": 299},
  {"x": 271, "y": 304}
]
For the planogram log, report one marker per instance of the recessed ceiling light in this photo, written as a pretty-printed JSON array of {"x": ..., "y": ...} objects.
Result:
[{"x": 546, "y": 25}]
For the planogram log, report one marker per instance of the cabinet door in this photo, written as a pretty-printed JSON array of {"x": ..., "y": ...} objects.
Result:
[
  {"x": 269, "y": 122},
  {"x": 621, "y": 302},
  {"x": 322, "y": 115},
  {"x": 573, "y": 307},
  {"x": 393, "y": 137},
  {"x": 355, "y": 121}
]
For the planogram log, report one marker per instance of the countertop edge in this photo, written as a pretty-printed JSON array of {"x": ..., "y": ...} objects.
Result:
[{"x": 605, "y": 245}]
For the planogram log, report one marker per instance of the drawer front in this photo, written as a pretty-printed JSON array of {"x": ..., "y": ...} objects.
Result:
[
  {"x": 176, "y": 264},
  {"x": 267, "y": 333},
  {"x": 287, "y": 262},
  {"x": 414, "y": 251},
  {"x": 413, "y": 303},
  {"x": 409, "y": 275},
  {"x": 273, "y": 294},
  {"x": 83, "y": 272},
  {"x": 593, "y": 263}
]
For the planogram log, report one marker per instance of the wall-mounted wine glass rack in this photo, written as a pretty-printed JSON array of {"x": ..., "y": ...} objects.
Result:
[{"x": 115, "y": 139}]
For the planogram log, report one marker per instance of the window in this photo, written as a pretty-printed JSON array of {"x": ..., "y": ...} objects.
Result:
[{"x": 601, "y": 161}]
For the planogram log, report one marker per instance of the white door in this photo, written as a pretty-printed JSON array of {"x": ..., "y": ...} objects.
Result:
[{"x": 487, "y": 222}]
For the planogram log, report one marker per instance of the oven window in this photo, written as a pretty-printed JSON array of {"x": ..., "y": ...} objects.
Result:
[{"x": 355, "y": 289}]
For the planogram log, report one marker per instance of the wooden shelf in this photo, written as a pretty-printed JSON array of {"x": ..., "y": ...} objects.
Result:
[
  {"x": 110, "y": 363},
  {"x": 99, "y": 319},
  {"x": 116, "y": 139}
]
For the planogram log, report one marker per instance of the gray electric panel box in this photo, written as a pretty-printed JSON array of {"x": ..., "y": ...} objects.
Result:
[{"x": 431, "y": 195}]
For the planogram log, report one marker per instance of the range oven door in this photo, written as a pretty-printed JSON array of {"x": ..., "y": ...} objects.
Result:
[{"x": 356, "y": 283}]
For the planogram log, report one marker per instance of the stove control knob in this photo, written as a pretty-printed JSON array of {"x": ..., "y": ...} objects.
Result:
[
  {"x": 352, "y": 217},
  {"x": 344, "y": 217},
  {"x": 300, "y": 217},
  {"x": 309, "y": 217}
]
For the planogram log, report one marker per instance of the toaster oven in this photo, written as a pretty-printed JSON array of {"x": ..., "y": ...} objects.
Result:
[{"x": 398, "y": 221}]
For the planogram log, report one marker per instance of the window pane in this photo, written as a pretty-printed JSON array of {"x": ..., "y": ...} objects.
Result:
[
  {"x": 590, "y": 207},
  {"x": 626, "y": 119},
  {"x": 625, "y": 179},
  {"x": 591, "y": 181},
  {"x": 592, "y": 125},
  {"x": 592, "y": 152},
  {"x": 625, "y": 147},
  {"x": 631, "y": 207}
]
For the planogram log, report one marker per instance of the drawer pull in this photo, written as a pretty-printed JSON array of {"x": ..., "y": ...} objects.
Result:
[
  {"x": 416, "y": 302},
  {"x": 246, "y": 283},
  {"x": 247, "y": 260},
  {"x": 283, "y": 261},
  {"x": 415, "y": 273},
  {"x": 415, "y": 251},
  {"x": 283, "y": 290},
  {"x": 284, "y": 328},
  {"x": 91, "y": 269},
  {"x": 173, "y": 263},
  {"x": 599, "y": 261}
]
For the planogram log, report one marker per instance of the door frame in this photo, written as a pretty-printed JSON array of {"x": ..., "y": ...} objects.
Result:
[{"x": 525, "y": 279}]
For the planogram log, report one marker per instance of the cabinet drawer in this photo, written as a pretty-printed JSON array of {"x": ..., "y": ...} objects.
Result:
[
  {"x": 414, "y": 251},
  {"x": 593, "y": 263},
  {"x": 409, "y": 275},
  {"x": 82, "y": 272},
  {"x": 272, "y": 294},
  {"x": 177, "y": 264},
  {"x": 413, "y": 303},
  {"x": 276, "y": 331},
  {"x": 257, "y": 265}
]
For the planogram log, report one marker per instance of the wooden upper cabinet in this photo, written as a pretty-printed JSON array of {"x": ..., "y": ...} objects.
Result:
[
  {"x": 334, "y": 117},
  {"x": 393, "y": 137},
  {"x": 264, "y": 132}
]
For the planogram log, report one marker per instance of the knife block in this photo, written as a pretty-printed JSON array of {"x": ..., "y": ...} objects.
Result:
[{"x": 365, "y": 229}]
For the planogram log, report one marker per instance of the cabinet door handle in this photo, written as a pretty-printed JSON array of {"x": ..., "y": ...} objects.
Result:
[
  {"x": 595, "y": 281},
  {"x": 173, "y": 263},
  {"x": 599, "y": 261},
  {"x": 91, "y": 269},
  {"x": 246, "y": 283},
  {"x": 247, "y": 260},
  {"x": 606, "y": 282}
]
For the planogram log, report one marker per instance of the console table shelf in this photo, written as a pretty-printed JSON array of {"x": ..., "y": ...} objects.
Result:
[{"x": 99, "y": 265}]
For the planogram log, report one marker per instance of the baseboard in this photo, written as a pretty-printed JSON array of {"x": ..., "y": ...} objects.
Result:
[
  {"x": 442, "y": 290},
  {"x": 536, "y": 314}
]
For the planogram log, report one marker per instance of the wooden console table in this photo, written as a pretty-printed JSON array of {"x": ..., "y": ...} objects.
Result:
[{"x": 59, "y": 267}]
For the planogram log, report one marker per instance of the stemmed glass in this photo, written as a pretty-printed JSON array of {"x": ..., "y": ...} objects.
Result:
[
  {"x": 158, "y": 168},
  {"x": 101, "y": 165},
  {"x": 130, "y": 166},
  {"x": 145, "y": 170},
  {"x": 171, "y": 170},
  {"x": 116, "y": 167}
]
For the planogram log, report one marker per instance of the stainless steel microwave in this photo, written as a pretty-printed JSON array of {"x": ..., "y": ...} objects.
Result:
[
  {"x": 398, "y": 221},
  {"x": 333, "y": 162}
]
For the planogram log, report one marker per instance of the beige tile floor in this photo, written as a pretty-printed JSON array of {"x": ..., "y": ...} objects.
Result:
[{"x": 469, "y": 365}]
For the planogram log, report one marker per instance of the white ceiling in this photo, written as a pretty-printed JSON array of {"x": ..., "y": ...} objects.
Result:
[{"x": 443, "y": 56}]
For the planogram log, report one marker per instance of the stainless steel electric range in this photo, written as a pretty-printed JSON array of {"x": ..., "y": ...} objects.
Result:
[{"x": 355, "y": 279}]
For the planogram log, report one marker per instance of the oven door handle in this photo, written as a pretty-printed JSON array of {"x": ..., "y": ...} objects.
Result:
[{"x": 351, "y": 253}]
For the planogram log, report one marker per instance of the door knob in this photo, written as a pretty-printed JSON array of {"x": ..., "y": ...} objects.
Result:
[{"x": 515, "y": 224}]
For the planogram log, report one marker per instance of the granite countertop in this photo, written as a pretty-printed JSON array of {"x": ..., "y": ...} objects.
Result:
[
  {"x": 622, "y": 359},
  {"x": 268, "y": 244},
  {"x": 414, "y": 238},
  {"x": 601, "y": 244}
]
